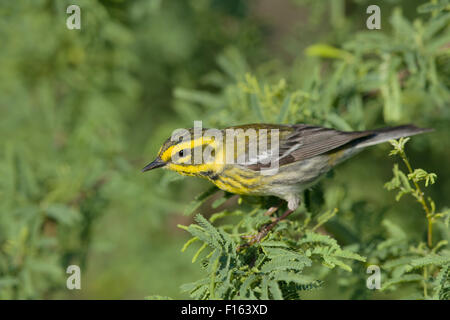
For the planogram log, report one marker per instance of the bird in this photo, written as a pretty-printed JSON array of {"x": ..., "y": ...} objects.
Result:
[{"x": 268, "y": 159}]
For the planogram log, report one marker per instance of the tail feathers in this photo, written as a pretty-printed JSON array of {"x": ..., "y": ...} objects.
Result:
[{"x": 389, "y": 133}]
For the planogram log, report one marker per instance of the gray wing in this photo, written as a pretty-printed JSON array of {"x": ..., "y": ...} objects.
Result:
[
  {"x": 307, "y": 141},
  {"x": 313, "y": 141}
]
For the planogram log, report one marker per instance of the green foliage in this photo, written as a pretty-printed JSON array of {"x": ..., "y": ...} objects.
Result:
[
  {"x": 407, "y": 260},
  {"x": 404, "y": 72},
  {"x": 80, "y": 114},
  {"x": 273, "y": 269},
  {"x": 393, "y": 76},
  {"x": 82, "y": 111}
]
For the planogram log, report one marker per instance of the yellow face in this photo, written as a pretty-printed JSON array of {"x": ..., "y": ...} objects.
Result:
[{"x": 202, "y": 156}]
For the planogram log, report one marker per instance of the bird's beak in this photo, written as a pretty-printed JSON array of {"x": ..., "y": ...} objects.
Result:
[{"x": 157, "y": 163}]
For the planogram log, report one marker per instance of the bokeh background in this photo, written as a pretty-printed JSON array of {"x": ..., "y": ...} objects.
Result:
[{"x": 82, "y": 111}]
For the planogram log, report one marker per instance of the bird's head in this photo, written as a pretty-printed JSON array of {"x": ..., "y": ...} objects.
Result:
[{"x": 189, "y": 153}]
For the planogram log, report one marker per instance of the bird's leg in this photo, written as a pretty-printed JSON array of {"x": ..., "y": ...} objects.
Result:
[
  {"x": 269, "y": 212},
  {"x": 265, "y": 230}
]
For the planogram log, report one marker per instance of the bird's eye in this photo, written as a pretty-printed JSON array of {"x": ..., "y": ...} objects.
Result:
[{"x": 181, "y": 153}]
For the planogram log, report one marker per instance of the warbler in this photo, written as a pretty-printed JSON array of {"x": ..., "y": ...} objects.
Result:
[{"x": 302, "y": 154}]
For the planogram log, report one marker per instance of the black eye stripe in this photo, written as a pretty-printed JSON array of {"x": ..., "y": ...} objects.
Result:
[{"x": 198, "y": 149}]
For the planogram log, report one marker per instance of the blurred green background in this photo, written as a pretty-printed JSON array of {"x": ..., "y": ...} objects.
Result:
[{"x": 82, "y": 111}]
